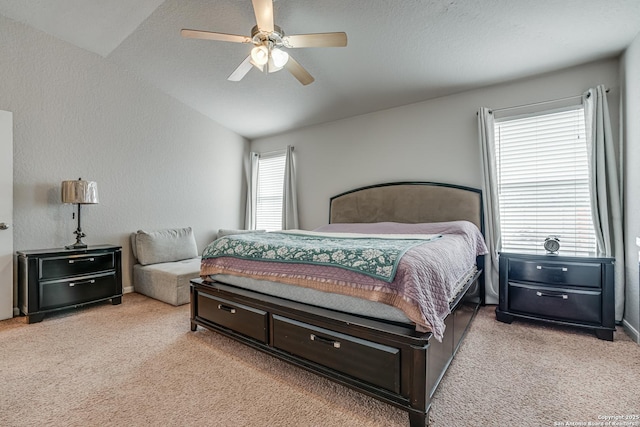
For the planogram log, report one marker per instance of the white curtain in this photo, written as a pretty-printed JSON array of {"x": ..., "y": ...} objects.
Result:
[
  {"x": 490, "y": 206},
  {"x": 289, "y": 195},
  {"x": 605, "y": 186},
  {"x": 251, "y": 174}
]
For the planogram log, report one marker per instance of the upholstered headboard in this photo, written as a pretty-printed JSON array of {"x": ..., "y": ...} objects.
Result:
[{"x": 408, "y": 202}]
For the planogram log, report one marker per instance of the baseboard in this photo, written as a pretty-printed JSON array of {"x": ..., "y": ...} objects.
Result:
[
  {"x": 631, "y": 331},
  {"x": 16, "y": 312}
]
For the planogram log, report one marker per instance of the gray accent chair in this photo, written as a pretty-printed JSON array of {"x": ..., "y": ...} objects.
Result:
[{"x": 166, "y": 261}]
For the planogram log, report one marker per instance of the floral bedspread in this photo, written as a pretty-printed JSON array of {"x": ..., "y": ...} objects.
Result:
[{"x": 373, "y": 255}]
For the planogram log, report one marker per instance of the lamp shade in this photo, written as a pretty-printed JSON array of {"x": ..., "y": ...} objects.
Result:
[{"x": 79, "y": 191}]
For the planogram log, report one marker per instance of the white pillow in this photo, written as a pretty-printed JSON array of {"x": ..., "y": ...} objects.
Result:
[
  {"x": 226, "y": 232},
  {"x": 152, "y": 247}
]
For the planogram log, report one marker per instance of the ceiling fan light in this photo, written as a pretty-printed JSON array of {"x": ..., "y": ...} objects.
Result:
[
  {"x": 280, "y": 57},
  {"x": 260, "y": 55},
  {"x": 258, "y": 66},
  {"x": 272, "y": 67}
]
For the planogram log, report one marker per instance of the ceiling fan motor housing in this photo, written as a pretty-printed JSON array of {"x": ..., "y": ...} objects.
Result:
[{"x": 269, "y": 39}]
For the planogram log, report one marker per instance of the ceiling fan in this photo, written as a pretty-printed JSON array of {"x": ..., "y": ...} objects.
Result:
[{"x": 268, "y": 40}]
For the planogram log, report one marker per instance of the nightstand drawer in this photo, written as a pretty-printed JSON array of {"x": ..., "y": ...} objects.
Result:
[
  {"x": 556, "y": 273},
  {"x": 247, "y": 320},
  {"x": 77, "y": 290},
  {"x": 556, "y": 303},
  {"x": 66, "y": 266}
]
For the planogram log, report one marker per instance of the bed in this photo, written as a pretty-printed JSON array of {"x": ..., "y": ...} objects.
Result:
[{"x": 369, "y": 344}]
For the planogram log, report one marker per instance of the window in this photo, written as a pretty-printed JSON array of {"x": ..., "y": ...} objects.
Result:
[
  {"x": 270, "y": 191},
  {"x": 543, "y": 182}
]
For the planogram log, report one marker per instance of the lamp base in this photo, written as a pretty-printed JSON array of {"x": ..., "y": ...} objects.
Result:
[
  {"x": 76, "y": 245},
  {"x": 79, "y": 244}
]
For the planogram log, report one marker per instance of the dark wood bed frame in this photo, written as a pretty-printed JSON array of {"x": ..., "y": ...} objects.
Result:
[{"x": 388, "y": 361}]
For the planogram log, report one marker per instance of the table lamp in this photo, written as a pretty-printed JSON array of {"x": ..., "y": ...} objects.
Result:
[{"x": 81, "y": 193}]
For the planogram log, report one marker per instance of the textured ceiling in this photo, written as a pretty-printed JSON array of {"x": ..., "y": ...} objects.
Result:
[
  {"x": 399, "y": 51},
  {"x": 98, "y": 26}
]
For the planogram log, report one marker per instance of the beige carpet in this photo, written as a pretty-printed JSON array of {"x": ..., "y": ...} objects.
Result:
[{"x": 138, "y": 364}]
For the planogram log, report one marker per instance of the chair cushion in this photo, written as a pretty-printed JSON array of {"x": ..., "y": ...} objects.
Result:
[
  {"x": 152, "y": 247},
  {"x": 168, "y": 282}
]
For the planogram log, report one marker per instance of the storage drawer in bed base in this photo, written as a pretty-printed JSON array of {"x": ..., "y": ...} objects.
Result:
[
  {"x": 238, "y": 317},
  {"x": 369, "y": 361}
]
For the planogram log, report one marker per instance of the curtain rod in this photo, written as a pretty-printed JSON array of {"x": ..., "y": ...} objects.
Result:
[
  {"x": 539, "y": 103},
  {"x": 268, "y": 153}
]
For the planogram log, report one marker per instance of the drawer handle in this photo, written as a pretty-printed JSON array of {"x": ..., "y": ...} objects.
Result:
[
  {"x": 323, "y": 340},
  {"x": 539, "y": 267},
  {"x": 86, "y": 282},
  {"x": 227, "y": 308},
  {"x": 73, "y": 261},
  {"x": 563, "y": 296}
]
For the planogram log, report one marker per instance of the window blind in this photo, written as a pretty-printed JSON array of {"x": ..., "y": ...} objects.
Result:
[
  {"x": 270, "y": 191},
  {"x": 543, "y": 182}
]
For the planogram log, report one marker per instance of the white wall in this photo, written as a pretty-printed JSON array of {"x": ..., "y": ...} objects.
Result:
[
  {"x": 158, "y": 163},
  {"x": 434, "y": 140},
  {"x": 630, "y": 70}
]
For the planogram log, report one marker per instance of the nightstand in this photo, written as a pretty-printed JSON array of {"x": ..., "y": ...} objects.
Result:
[
  {"x": 575, "y": 291},
  {"x": 55, "y": 279}
]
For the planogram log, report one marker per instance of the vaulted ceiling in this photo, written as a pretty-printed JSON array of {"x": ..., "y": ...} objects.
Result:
[{"x": 398, "y": 52}]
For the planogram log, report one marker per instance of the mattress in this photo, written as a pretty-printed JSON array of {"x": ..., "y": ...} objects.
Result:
[{"x": 332, "y": 301}]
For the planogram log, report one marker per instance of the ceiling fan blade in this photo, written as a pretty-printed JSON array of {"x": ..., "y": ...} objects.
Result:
[
  {"x": 298, "y": 71},
  {"x": 316, "y": 40},
  {"x": 264, "y": 14},
  {"x": 242, "y": 70},
  {"x": 208, "y": 35}
]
